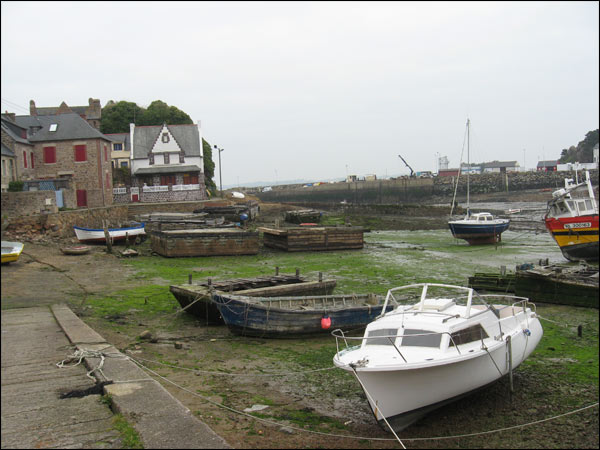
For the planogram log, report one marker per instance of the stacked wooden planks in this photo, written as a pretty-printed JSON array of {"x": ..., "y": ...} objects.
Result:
[
  {"x": 298, "y": 239},
  {"x": 495, "y": 282},
  {"x": 205, "y": 242}
]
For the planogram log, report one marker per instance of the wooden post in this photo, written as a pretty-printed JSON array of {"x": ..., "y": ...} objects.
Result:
[
  {"x": 579, "y": 330},
  {"x": 297, "y": 272},
  {"x": 107, "y": 237},
  {"x": 320, "y": 276},
  {"x": 190, "y": 278},
  {"x": 276, "y": 270}
]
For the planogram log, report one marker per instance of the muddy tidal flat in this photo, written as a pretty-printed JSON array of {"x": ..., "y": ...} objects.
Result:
[{"x": 293, "y": 396}]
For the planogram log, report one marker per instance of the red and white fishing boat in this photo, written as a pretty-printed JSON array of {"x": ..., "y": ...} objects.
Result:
[
  {"x": 572, "y": 220},
  {"x": 116, "y": 234}
]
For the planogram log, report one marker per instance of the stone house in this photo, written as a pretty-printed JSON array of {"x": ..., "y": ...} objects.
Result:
[
  {"x": 18, "y": 161},
  {"x": 547, "y": 166},
  {"x": 167, "y": 163},
  {"x": 66, "y": 146},
  {"x": 91, "y": 113}
]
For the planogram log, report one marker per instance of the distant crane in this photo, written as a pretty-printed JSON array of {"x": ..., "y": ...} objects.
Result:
[{"x": 412, "y": 172}]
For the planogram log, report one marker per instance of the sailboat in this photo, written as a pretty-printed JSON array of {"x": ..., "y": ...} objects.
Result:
[{"x": 477, "y": 228}]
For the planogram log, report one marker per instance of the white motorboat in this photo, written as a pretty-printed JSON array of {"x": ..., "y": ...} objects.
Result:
[{"x": 439, "y": 343}]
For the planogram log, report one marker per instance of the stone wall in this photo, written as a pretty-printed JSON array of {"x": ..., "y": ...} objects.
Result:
[
  {"x": 60, "y": 224},
  {"x": 413, "y": 190},
  {"x": 28, "y": 202}
]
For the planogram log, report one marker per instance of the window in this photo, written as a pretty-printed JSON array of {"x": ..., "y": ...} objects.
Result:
[
  {"x": 117, "y": 147},
  {"x": 165, "y": 138},
  {"x": 471, "y": 334},
  {"x": 49, "y": 155},
  {"x": 25, "y": 159},
  {"x": 167, "y": 160},
  {"x": 167, "y": 179},
  {"x": 31, "y": 157},
  {"x": 151, "y": 158},
  {"x": 80, "y": 153},
  {"x": 181, "y": 158},
  {"x": 391, "y": 332},
  {"x": 420, "y": 338},
  {"x": 105, "y": 153},
  {"x": 124, "y": 164},
  {"x": 53, "y": 127},
  {"x": 190, "y": 179}
]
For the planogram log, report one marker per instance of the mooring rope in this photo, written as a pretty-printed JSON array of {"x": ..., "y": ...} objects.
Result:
[{"x": 363, "y": 437}]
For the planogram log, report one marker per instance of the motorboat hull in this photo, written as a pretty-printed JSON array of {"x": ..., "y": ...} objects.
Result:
[
  {"x": 577, "y": 237},
  {"x": 403, "y": 396},
  {"x": 476, "y": 234}
]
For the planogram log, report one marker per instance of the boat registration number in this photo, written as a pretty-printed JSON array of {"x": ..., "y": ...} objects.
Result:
[{"x": 578, "y": 225}]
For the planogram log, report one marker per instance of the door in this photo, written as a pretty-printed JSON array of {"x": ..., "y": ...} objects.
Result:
[
  {"x": 59, "y": 199},
  {"x": 81, "y": 197}
]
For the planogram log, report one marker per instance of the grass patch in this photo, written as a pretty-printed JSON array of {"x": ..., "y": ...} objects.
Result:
[{"x": 129, "y": 437}]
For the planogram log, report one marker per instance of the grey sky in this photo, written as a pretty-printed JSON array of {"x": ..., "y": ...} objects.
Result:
[{"x": 317, "y": 90}]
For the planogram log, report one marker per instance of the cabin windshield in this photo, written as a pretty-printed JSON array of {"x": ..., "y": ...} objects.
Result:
[
  {"x": 420, "y": 338},
  {"x": 471, "y": 334},
  {"x": 384, "y": 336}
]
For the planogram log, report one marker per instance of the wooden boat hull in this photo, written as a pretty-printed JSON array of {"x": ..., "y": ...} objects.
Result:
[
  {"x": 269, "y": 319},
  {"x": 11, "y": 251},
  {"x": 197, "y": 299},
  {"x": 76, "y": 250},
  {"x": 205, "y": 242},
  {"x": 96, "y": 235},
  {"x": 577, "y": 237},
  {"x": 476, "y": 234}
]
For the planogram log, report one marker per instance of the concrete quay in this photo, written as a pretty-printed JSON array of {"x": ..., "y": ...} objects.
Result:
[{"x": 44, "y": 406}]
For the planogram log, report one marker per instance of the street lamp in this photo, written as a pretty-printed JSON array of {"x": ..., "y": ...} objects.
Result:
[{"x": 220, "y": 179}]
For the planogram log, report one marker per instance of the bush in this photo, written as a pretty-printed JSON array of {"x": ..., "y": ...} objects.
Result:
[{"x": 15, "y": 186}]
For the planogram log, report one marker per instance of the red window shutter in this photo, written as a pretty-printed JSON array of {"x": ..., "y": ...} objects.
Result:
[
  {"x": 80, "y": 153},
  {"x": 105, "y": 153},
  {"x": 32, "y": 164},
  {"x": 49, "y": 155},
  {"x": 25, "y": 159}
]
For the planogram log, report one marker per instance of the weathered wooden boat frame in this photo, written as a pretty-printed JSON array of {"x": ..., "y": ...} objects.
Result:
[
  {"x": 290, "y": 317},
  {"x": 76, "y": 250},
  {"x": 205, "y": 242},
  {"x": 96, "y": 235},
  {"x": 196, "y": 299}
]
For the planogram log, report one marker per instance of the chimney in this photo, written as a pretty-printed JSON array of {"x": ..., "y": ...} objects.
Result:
[{"x": 32, "y": 109}]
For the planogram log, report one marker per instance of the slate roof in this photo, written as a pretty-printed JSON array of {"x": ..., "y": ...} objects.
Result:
[
  {"x": 186, "y": 136},
  {"x": 14, "y": 131},
  {"x": 547, "y": 163},
  {"x": 7, "y": 151},
  {"x": 70, "y": 126}
]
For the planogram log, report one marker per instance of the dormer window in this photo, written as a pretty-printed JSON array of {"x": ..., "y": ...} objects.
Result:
[{"x": 53, "y": 127}]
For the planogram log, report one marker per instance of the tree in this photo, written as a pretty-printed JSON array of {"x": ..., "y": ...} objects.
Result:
[
  {"x": 209, "y": 167},
  {"x": 159, "y": 112},
  {"x": 116, "y": 117},
  {"x": 584, "y": 152}
]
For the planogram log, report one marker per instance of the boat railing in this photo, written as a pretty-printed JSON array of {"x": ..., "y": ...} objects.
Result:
[{"x": 339, "y": 334}]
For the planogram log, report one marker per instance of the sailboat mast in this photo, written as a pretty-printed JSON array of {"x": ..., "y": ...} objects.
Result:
[{"x": 468, "y": 163}]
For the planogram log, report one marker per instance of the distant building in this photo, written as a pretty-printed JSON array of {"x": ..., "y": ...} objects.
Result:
[
  {"x": 547, "y": 166},
  {"x": 500, "y": 166},
  {"x": 576, "y": 166},
  {"x": 91, "y": 113},
  {"x": 448, "y": 172},
  {"x": 595, "y": 156},
  {"x": 350, "y": 178},
  {"x": 370, "y": 177}
]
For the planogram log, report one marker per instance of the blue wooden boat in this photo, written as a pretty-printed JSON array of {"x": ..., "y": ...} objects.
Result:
[{"x": 289, "y": 317}]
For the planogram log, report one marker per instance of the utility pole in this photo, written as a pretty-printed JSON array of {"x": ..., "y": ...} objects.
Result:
[{"x": 220, "y": 179}]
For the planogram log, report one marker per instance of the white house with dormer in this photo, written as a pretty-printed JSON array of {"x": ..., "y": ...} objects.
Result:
[{"x": 167, "y": 163}]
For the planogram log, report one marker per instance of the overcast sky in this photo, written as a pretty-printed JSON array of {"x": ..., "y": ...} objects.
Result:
[{"x": 321, "y": 90}]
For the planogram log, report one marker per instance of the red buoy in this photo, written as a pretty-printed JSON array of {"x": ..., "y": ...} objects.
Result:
[{"x": 326, "y": 322}]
